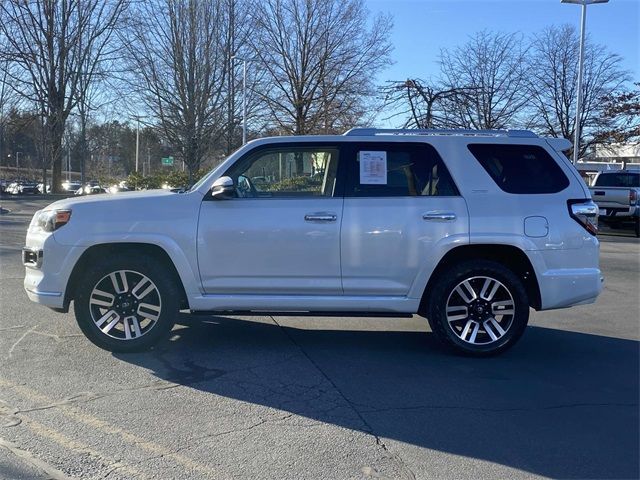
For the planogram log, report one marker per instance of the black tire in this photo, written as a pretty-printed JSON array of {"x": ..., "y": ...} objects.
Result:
[
  {"x": 149, "y": 324},
  {"x": 461, "y": 335},
  {"x": 636, "y": 227}
]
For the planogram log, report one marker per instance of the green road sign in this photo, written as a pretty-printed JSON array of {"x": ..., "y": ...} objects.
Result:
[{"x": 167, "y": 161}]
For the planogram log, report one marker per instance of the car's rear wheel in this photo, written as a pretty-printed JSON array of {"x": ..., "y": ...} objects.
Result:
[
  {"x": 127, "y": 303},
  {"x": 478, "y": 308}
]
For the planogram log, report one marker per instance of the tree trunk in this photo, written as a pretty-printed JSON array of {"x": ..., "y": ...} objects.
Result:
[{"x": 56, "y": 132}]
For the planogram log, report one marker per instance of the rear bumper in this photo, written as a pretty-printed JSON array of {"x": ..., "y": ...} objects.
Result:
[
  {"x": 619, "y": 214},
  {"x": 568, "y": 276},
  {"x": 570, "y": 287}
]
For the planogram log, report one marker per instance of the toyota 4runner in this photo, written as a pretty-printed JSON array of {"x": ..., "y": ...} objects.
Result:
[{"x": 470, "y": 229}]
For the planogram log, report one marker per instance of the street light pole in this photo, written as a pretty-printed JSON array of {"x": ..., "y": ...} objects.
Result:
[
  {"x": 137, "y": 141},
  {"x": 576, "y": 136},
  {"x": 244, "y": 101},
  {"x": 244, "y": 97}
]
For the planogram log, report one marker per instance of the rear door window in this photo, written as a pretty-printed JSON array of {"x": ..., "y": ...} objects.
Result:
[
  {"x": 377, "y": 169},
  {"x": 523, "y": 169}
]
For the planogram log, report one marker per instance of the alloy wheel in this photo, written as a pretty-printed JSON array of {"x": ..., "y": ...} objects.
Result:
[
  {"x": 480, "y": 310},
  {"x": 125, "y": 304}
]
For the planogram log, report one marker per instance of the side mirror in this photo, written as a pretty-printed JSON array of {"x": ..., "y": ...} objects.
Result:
[{"x": 223, "y": 188}]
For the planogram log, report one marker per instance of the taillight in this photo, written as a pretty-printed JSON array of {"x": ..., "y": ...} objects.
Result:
[
  {"x": 633, "y": 197},
  {"x": 585, "y": 212}
]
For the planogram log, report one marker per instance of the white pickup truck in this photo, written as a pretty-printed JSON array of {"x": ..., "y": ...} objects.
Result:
[
  {"x": 616, "y": 194},
  {"x": 469, "y": 228}
]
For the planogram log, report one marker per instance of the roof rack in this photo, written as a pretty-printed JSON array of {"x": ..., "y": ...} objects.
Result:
[{"x": 370, "y": 132}]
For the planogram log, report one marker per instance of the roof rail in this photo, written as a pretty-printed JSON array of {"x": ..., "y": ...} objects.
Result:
[{"x": 370, "y": 132}]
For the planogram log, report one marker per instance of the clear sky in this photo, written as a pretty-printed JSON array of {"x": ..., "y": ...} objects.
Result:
[{"x": 423, "y": 27}]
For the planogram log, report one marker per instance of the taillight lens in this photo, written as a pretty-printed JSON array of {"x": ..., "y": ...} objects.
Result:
[
  {"x": 585, "y": 212},
  {"x": 633, "y": 197}
]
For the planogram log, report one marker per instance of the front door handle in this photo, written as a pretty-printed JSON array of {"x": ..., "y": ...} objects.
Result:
[
  {"x": 439, "y": 216},
  {"x": 320, "y": 217}
]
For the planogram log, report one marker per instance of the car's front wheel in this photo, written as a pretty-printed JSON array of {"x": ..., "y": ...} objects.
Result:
[
  {"x": 127, "y": 303},
  {"x": 478, "y": 308}
]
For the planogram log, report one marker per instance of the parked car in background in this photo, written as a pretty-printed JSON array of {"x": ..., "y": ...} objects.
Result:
[
  {"x": 118, "y": 189},
  {"x": 71, "y": 187},
  {"x": 617, "y": 194},
  {"x": 13, "y": 188},
  {"x": 470, "y": 229},
  {"x": 22, "y": 188},
  {"x": 91, "y": 188}
]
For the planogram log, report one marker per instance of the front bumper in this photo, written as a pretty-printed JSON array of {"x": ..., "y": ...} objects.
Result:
[
  {"x": 48, "y": 267},
  {"x": 53, "y": 300}
]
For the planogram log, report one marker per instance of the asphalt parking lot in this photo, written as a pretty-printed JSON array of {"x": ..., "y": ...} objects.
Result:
[{"x": 328, "y": 398}]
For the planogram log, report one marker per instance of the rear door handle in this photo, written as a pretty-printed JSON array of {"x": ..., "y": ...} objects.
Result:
[
  {"x": 320, "y": 217},
  {"x": 600, "y": 192},
  {"x": 439, "y": 216}
]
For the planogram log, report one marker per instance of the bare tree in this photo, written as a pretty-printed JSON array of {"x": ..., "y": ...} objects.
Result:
[
  {"x": 321, "y": 58},
  {"x": 179, "y": 59},
  {"x": 493, "y": 66},
  {"x": 422, "y": 104},
  {"x": 553, "y": 78},
  {"x": 49, "y": 40},
  {"x": 621, "y": 114},
  {"x": 8, "y": 98}
]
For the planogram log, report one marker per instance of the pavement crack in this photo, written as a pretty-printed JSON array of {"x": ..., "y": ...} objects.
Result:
[
  {"x": 191, "y": 443},
  {"x": 22, "y": 337},
  {"x": 15, "y": 327},
  {"x": 406, "y": 471},
  {"x": 58, "y": 338}
]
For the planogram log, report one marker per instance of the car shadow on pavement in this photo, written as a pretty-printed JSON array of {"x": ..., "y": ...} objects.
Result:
[{"x": 559, "y": 404}]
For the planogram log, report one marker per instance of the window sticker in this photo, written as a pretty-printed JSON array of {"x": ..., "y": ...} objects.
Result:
[{"x": 373, "y": 168}]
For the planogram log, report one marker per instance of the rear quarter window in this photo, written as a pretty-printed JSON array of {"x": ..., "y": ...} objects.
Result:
[{"x": 523, "y": 169}]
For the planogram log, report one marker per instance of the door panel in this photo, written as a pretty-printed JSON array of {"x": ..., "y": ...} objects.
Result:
[
  {"x": 400, "y": 203},
  {"x": 386, "y": 241},
  {"x": 281, "y": 234},
  {"x": 265, "y": 246}
]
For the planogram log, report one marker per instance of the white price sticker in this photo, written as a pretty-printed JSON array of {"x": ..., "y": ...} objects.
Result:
[{"x": 373, "y": 168}]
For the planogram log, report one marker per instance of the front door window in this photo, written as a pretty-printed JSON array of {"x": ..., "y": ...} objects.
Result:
[{"x": 287, "y": 172}]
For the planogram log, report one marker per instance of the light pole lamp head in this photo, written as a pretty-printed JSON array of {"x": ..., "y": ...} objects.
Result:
[{"x": 584, "y": 2}]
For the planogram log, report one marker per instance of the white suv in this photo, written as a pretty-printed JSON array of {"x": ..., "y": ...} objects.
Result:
[{"x": 468, "y": 228}]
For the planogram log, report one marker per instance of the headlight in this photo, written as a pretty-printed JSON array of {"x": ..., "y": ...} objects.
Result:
[{"x": 50, "y": 220}]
